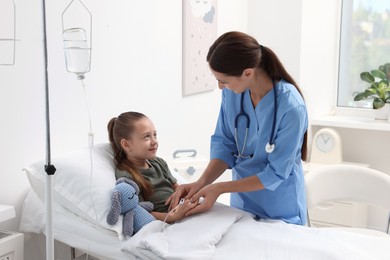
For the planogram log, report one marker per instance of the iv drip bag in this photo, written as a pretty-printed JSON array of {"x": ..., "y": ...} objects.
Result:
[{"x": 77, "y": 52}]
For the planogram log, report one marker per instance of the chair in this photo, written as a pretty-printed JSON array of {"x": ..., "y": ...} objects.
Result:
[{"x": 351, "y": 183}]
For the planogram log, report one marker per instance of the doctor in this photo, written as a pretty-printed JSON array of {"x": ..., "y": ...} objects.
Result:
[{"x": 260, "y": 135}]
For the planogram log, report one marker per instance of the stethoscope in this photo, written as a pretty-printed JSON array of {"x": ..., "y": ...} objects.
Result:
[{"x": 270, "y": 146}]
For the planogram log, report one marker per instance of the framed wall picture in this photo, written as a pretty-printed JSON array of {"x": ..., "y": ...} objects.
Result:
[{"x": 199, "y": 32}]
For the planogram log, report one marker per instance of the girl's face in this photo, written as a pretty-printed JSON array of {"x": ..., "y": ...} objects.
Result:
[
  {"x": 235, "y": 84},
  {"x": 142, "y": 144}
]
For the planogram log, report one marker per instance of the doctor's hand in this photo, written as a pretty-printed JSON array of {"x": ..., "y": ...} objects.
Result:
[
  {"x": 183, "y": 191},
  {"x": 204, "y": 199}
]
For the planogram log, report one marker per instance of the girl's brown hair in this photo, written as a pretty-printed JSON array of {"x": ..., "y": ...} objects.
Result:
[
  {"x": 119, "y": 128},
  {"x": 233, "y": 52}
]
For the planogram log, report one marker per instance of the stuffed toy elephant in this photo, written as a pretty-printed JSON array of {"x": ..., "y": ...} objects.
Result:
[{"x": 124, "y": 200}]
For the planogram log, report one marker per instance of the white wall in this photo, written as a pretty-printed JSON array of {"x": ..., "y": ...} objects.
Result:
[
  {"x": 277, "y": 24},
  {"x": 319, "y": 54},
  {"x": 136, "y": 65}
]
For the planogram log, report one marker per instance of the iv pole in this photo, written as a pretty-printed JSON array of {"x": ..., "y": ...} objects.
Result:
[{"x": 49, "y": 168}]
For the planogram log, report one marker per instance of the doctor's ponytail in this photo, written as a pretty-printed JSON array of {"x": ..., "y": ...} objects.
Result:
[{"x": 271, "y": 64}]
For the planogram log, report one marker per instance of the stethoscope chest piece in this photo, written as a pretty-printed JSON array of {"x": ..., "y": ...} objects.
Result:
[{"x": 269, "y": 148}]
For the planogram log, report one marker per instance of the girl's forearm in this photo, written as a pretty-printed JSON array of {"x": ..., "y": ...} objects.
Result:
[{"x": 163, "y": 216}]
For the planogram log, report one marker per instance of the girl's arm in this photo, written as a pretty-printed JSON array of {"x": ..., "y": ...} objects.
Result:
[{"x": 161, "y": 216}]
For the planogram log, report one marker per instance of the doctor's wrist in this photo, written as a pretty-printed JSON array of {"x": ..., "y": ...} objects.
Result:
[{"x": 220, "y": 187}]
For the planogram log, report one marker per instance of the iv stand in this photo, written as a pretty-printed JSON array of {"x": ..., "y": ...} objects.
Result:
[{"x": 49, "y": 168}]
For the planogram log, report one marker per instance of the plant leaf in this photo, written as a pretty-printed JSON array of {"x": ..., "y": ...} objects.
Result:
[
  {"x": 385, "y": 69},
  {"x": 378, "y": 74},
  {"x": 378, "y": 103},
  {"x": 371, "y": 90},
  {"x": 360, "y": 96},
  {"x": 367, "y": 77}
]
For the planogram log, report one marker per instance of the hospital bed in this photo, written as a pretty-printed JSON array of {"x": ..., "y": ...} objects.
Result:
[{"x": 85, "y": 178}]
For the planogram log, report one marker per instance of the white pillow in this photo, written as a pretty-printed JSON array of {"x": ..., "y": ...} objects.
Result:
[{"x": 82, "y": 183}]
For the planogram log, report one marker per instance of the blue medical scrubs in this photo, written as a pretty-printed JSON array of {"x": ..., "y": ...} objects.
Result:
[{"x": 281, "y": 171}]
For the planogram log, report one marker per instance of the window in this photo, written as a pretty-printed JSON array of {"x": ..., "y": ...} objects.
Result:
[{"x": 364, "y": 45}]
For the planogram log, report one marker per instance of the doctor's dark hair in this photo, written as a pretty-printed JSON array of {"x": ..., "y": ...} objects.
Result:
[
  {"x": 122, "y": 127},
  {"x": 233, "y": 52}
]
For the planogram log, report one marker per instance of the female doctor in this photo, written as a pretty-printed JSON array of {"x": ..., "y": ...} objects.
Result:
[{"x": 260, "y": 135}]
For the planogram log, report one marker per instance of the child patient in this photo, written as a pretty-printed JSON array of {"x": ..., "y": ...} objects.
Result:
[{"x": 134, "y": 140}]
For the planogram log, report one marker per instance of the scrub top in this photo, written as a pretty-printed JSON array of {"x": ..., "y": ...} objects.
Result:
[{"x": 281, "y": 171}]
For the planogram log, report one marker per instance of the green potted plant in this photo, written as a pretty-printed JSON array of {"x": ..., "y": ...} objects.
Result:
[{"x": 379, "y": 89}]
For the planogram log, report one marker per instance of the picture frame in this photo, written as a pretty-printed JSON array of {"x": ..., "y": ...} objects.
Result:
[{"x": 199, "y": 32}]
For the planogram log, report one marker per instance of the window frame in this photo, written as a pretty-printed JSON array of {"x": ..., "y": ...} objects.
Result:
[{"x": 343, "y": 64}]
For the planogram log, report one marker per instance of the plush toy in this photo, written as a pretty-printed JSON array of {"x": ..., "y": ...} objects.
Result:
[{"x": 124, "y": 200}]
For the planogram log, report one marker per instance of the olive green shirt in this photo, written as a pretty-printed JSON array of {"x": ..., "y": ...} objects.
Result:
[{"x": 159, "y": 175}]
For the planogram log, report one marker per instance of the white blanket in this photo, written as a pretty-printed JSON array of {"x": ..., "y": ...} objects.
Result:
[
  {"x": 227, "y": 233},
  {"x": 193, "y": 238}
]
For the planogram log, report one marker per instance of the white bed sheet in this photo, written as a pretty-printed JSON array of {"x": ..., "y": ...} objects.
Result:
[{"x": 221, "y": 233}]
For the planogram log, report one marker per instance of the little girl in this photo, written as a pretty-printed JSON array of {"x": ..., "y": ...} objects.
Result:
[{"x": 134, "y": 141}]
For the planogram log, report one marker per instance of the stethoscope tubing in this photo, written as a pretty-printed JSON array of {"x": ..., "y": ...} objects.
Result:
[
  {"x": 242, "y": 113},
  {"x": 270, "y": 146}
]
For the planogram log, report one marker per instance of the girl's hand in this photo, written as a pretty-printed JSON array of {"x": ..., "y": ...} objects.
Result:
[
  {"x": 180, "y": 212},
  {"x": 183, "y": 191}
]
